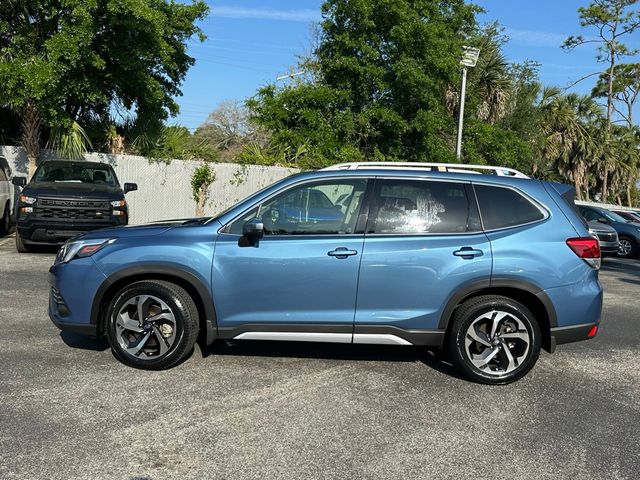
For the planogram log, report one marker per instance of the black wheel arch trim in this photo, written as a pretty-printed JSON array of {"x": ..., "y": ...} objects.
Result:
[
  {"x": 495, "y": 283},
  {"x": 162, "y": 270}
]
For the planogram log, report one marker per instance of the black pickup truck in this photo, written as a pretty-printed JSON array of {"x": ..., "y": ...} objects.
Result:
[{"x": 64, "y": 199}]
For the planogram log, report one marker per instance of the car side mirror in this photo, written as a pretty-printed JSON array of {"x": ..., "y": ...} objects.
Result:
[
  {"x": 130, "y": 187},
  {"x": 603, "y": 220},
  {"x": 253, "y": 230},
  {"x": 19, "y": 181}
]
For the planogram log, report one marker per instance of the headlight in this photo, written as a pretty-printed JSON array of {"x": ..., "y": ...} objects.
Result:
[
  {"x": 81, "y": 249},
  {"x": 118, "y": 203},
  {"x": 27, "y": 200}
]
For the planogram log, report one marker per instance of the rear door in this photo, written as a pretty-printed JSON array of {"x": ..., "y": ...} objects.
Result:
[{"x": 423, "y": 243}]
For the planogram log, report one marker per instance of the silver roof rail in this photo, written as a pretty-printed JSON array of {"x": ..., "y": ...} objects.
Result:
[{"x": 433, "y": 167}]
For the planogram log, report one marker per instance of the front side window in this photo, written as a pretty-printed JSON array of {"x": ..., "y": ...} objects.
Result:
[
  {"x": 416, "y": 206},
  {"x": 309, "y": 209},
  {"x": 502, "y": 207}
]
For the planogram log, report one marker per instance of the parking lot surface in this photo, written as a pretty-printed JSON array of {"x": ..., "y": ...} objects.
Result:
[{"x": 276, "y": 410}]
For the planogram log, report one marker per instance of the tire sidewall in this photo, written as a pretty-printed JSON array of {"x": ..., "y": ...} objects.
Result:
[
  {"x": 514, "y": 308},
  {"x": 178, "y": 309}
]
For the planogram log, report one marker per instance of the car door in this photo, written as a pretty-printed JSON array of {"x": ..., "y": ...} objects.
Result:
[
  {"x": 299, "y": 281},
  {"x": 423, "y": 243},
  {"x": 5, "y": 191}
]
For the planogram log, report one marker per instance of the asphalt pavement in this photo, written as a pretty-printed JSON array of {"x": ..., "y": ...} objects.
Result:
[{"x": 310, "y": 411}]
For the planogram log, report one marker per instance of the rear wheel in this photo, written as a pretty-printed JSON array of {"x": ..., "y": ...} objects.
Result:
[
  {"x": 152, "y": 324},
  {"x": 627, "y": 247},
  {"x": 5, "y": 221},
  {"x": 494, "y": 339},
  {"x": 20, "y": 246}
]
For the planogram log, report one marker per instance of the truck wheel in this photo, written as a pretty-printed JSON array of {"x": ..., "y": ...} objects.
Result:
[
  {"x": 5, "y": 221},
  {"x": 20, "y": 246},
  {"x": 152, "y": 324},
  {"x": 494, "y": 339}
]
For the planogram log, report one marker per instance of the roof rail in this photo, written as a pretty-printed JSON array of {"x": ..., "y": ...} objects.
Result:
[{"x": 433, "y": 167}]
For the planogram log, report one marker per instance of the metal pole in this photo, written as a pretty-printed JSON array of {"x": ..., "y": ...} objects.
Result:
[{"x": 461, "y": 118}]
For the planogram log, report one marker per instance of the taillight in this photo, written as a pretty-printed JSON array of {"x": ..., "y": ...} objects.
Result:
[{"x": 587, "y": 248}]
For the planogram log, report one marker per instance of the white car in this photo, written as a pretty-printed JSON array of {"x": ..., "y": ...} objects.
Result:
[{"x": 6, "y": 197}]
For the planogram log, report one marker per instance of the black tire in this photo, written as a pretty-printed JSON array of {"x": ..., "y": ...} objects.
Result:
[
  {"x": 630, "y": 249},
  {"x": 20, "y": 246},
  {"x": 516, "y": 315},
  {"x": 5, "y": 221},
  {"x": 185, "y": 328}
]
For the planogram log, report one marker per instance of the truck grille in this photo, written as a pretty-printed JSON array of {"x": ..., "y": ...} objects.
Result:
[
  {"x": 606, "y": 237},
  {"x": 54, "y": 208}
]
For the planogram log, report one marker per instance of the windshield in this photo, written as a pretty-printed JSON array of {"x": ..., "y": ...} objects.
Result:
[
  {"x": 614, "y": 217},
  {"x": 76, "y": 173}
]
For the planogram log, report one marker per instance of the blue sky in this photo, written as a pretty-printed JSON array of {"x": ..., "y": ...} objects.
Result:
[{"x": 249, "y": 43}]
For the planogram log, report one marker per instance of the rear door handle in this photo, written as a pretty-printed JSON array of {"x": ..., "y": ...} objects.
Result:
[
  {"x": 468, "y": 253},
  {"x": 342, "y": 252}
]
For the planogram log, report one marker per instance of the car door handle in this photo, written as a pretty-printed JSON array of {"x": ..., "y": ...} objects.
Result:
[
  {"x": 342, "y": 252},
  {"x": 468, "y": 253}
]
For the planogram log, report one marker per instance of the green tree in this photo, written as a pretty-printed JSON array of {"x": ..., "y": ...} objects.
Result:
[
  {"x": 378, "y": 89},
  {"x": 611, "y": 20},
  {"x": 63, "y": 61},
  {"x": 625, "y": 89}
]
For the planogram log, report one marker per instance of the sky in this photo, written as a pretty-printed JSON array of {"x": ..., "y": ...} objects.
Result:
[{"x": 250, "y": 43}]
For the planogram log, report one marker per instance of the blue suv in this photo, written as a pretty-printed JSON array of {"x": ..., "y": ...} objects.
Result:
[{"x": 491, "y": 268}]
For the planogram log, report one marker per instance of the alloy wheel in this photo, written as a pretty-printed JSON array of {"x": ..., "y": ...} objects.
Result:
[
  {"x": 624, "y": 247},
  {"x": 497, "y": 343},
  {"x": 145, "y": 327}
]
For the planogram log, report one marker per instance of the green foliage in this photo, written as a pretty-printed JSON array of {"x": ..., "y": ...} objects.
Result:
[
  {"x": 80, "y": 57},
  {"x": 70, "y": 142},
  {"x": 202, "y": 178},
  {"x": 171, "y": 142},
  {"x": 378, "y": 93}
]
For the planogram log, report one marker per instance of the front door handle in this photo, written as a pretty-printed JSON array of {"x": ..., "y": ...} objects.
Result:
[
  {"x": 342, "y": 252},
  {"x": 468, "y": 253}
]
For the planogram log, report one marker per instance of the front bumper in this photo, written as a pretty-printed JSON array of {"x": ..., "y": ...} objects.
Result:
[
  {"x": 73, "y": 287},
  {"x": 56, "y": 232}
]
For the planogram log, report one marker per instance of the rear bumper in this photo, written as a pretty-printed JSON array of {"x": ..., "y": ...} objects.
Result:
[{"x": 573, "y": 333}]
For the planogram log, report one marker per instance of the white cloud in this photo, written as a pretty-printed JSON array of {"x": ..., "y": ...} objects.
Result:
[
  {"x": 301, "y": 15},
  {"x": 536, "y": 38}
]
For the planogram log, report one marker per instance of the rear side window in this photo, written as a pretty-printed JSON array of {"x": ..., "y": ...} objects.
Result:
[
  {"x": 503, "y": 207},
  {"x": 416, "y": 206}
]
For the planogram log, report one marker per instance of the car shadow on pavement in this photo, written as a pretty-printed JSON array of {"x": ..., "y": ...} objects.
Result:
[
  {"x": 84, "y": 342},
  {"x": 331, "y": 351}
]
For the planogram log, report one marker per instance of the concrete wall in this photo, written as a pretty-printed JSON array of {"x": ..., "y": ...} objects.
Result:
[{"x": 164, "y": 190}]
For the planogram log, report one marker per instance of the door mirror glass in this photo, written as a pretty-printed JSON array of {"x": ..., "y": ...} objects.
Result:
[
  {"x": 19, "y": 181},
  {"x": 603, "y": 220},
  {"x": 130, "y": 187}
]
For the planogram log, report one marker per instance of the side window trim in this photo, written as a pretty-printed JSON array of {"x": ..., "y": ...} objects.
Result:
[
  {"x": 532, "y": 201},
  {"x": 373, "y": 206},
  {"x": 364, "y": 207}
]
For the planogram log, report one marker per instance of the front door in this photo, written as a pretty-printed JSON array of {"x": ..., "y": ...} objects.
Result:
[{"x": 299, "y": 281}]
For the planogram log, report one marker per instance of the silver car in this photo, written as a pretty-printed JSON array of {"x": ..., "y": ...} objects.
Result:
[{"x": 607, "y": 237}]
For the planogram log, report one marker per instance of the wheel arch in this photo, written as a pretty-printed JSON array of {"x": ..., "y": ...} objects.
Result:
[
  {"x": 529, "y": 295},
  {"x": 192, "y": 284}
]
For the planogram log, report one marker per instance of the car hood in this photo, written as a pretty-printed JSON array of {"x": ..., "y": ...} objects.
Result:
[
  {"x": 66, "y": 189},
  {"x": 144, "y": 230},
  {"x": 601, "y": 227}
]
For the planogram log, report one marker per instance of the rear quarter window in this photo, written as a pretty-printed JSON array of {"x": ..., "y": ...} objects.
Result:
[{"x": 502, "y": 207}]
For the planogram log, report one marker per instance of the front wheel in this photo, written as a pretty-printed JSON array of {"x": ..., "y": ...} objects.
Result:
[
  {"x": 494, "y": 339},
  {"x": 20, "y": 245},
  {"x": 5, "y": 221},
  {"x": 152, "y": 324},
  {"x": 627, "y": 247}
]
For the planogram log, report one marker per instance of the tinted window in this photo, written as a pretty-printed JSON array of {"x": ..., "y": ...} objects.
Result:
[
  {"x": 414, "y": 206},
  {"x": 590, "y": 215},
  {"x": 310, "y": 209},
  {"x": 502, "y": 207}
]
